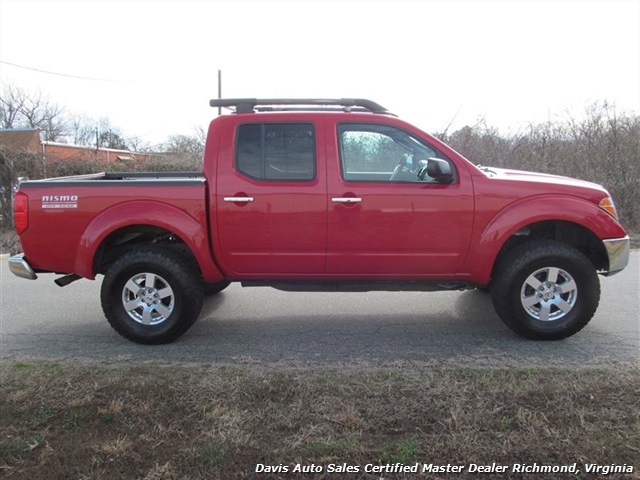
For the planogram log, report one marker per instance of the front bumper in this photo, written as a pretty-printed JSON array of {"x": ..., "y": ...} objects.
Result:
[
  {"x": 618, "y": 250},
  {"x": 21, "y": 268}
]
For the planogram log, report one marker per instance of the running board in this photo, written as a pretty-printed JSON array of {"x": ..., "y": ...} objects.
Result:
[{"x": 358, "y": 285}]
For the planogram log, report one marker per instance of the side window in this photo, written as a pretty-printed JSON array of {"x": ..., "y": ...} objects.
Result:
[
  {"x": 276, "y": 151},
  {"x": 382, "y": 153}
]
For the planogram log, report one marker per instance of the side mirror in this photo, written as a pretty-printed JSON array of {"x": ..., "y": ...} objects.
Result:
[{"x": 438, "y": 169}]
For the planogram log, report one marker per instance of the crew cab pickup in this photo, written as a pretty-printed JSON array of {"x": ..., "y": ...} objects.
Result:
[{"x": 321, "y": 194}]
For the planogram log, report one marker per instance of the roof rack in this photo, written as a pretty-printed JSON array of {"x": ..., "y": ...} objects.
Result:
[{"x": 248, "y": 105}]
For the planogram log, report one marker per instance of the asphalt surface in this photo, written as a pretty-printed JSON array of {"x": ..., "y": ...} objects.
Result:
[{"x": 39, "y": 320}]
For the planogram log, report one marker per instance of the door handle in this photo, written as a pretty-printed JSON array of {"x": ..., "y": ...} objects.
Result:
[
  {"x": 238, "y": 199},
  {"x": 346, "y": 199}
]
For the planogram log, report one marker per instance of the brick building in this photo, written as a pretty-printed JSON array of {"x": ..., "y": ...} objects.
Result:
[
  {"x": 28, "y": 140},
  {"x": 21, "y": 139}
]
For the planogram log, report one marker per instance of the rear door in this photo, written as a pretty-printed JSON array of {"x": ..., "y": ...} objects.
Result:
[
  {"x": 271, "y": 198},
  {"x": 385, "y": 221}
]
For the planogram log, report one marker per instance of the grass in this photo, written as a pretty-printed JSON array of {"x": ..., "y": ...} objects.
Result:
[{"x": 69, "y": 420}]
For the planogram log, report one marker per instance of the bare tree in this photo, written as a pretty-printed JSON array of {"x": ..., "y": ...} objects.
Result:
[
  {"x": 96, "y": 132},
  {"x": 188, "y": 149},
  {"x": 602, "y": 146},
  {"x": 20, "y": 109},
  {"x": 53, "y": 123},
  {"x": 82, "y": 130},
  {"x": 136, "y": 144},
  {"x": 200, "y": 134},
  {"x": 12, "y": 100}
]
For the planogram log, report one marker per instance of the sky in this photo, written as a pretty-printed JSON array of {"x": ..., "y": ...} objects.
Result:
[{"x": 151, "y": 66}]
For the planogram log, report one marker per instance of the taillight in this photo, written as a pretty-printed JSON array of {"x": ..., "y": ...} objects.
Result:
[{"x": 21, "y": 212}]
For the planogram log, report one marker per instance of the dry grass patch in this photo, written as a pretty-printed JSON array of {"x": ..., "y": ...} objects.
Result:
[
  {"x": 149, "y": 422},
  {"x": 9, "y": 242}
]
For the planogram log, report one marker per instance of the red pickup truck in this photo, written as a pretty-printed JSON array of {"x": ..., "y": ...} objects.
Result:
[{"x": 317, "y": 195}]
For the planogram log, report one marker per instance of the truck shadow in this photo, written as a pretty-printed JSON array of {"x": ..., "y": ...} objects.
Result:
[{"x": 343, "y": 327}]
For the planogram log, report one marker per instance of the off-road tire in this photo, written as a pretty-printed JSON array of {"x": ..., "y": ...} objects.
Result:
[
  {"x": 550, "y": 308},
  {"x": 213, "y": 288},
  {"x": 165, "y": 287}
]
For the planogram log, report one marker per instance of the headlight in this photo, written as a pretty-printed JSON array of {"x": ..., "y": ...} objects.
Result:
[{"x": 608, "y": 206}]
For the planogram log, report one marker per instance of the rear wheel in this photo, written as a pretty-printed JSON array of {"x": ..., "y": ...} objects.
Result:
[
  {"x": 213, "y": 288},
  {"x": 545, "y": 290},
  {"x": 151, "y": 296}
]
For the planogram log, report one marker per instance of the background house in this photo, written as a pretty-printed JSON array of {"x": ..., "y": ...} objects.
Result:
[
  {"x": 21, "y": 139},
  {"x": 27, "y": 140}
]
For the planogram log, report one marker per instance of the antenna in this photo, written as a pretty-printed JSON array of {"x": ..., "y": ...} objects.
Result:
[{"x": 219, "y": 90}]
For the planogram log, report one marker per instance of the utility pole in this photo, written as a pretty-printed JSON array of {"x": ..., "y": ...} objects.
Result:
[{"x": 219, "y": 90}]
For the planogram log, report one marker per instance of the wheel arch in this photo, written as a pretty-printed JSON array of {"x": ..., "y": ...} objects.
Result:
[
  {"x": 125, "y": 239},
  {"x": 131, "y": 224},
  {"x": 570, "y": 233},
  {"x": 571, "y": 220}
]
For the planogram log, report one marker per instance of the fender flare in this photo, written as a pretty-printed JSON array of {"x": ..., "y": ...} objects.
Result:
[
  {"x": 152, "y": 213},
  {"x": 488, "y": 244}
]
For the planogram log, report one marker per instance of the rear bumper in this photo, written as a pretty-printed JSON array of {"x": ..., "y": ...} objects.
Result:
[
  {"x": 618, "y": 250},
  {"x": 21, "y": 268}
]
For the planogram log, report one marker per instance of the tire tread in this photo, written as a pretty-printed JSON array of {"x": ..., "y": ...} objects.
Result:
[
  {"x": 191, "y": 293},
  {"x": 531, "y": 253}
]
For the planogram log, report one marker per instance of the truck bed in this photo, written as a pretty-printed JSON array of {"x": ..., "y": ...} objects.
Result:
[
  {"x": 107, "y": 178},
  {"x": 70, "y": 214}
]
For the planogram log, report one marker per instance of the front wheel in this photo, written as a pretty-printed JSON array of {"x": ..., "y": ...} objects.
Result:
[
  {"x": 151, "y": 296},
  {"x": 545, "y": 290}
]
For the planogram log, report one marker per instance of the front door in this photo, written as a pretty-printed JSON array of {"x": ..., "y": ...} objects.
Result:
[
  {"x": 271, "y": 200},
  {"x": 386, "y": 221}
]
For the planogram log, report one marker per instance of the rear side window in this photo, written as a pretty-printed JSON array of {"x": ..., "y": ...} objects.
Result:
[{"x": 276, "y": 151}]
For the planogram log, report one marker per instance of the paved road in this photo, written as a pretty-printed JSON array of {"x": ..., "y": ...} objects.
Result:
[{"x": 265, "y": 326}]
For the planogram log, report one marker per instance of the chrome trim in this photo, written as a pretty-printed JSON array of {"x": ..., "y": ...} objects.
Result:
[
  {"x": 20, "y": 268},
  {"x": 238, "y": 199},
  {"x": 618, "y": 250},
  {"x": 346, "y": 200}
]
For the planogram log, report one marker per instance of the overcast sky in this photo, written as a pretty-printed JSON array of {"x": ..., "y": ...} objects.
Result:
[{"x": 151, "y": 65}]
